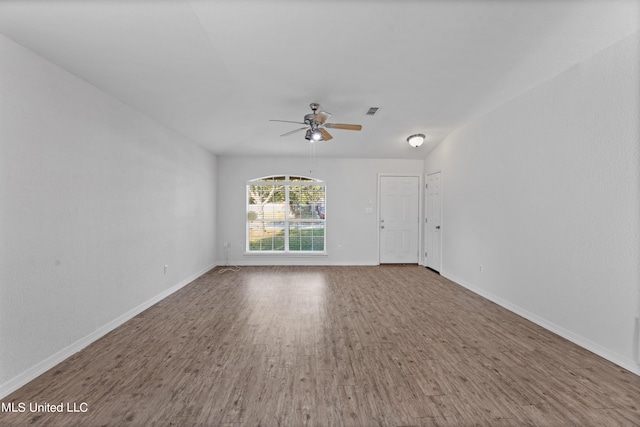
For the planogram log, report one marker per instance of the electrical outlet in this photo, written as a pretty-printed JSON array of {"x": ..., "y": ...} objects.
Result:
[
  {"x": 227, "y": 245},
  {"x": 480, "y": 268},
  {"x": 166, "y": 268},
  {"x": 240, "y": 247}
]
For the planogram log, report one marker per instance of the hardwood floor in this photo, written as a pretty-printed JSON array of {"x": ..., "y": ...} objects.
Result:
[{"x": 321, "y": 346}]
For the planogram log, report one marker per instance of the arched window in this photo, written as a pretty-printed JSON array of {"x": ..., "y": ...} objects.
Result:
[{"x": 286, "y": 214}]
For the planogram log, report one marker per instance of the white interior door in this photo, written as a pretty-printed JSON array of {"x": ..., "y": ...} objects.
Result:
[
  {"x": 399, "y": 219},
  {"x": 434, "y": 219}
]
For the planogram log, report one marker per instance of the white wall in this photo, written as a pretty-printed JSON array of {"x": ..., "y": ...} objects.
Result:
[
  {"x": 95, "y": 198},
  {"x": 544, "y": 193},
  {"x": 351, "y": 185}
]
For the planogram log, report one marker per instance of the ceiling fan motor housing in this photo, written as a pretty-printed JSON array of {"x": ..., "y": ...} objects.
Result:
[{"x": 309, "y": 119}]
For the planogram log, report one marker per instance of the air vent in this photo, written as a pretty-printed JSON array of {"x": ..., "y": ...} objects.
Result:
[{"x": 372, "y": 111}]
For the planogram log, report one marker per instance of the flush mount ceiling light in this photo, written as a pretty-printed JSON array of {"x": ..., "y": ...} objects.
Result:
[{"x": 416, "y": 140}]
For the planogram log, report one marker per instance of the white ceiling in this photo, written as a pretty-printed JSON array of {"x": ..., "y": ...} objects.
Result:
[{"x": 217, "y": 71}]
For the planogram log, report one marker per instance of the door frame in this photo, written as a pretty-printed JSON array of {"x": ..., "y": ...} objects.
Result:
[
  {"x": 421, "y": 260},
  {"x": 426, "y": 179}
]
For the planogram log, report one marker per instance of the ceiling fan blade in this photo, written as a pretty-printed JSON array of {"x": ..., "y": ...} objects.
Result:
[
  {"x": 325, "y": 135},
  {"x": 342, "y": 126},
  {"x": 287, "y": 121},
  {"x": 293, "y": 131},
  {"x": 321, "y": 116}
]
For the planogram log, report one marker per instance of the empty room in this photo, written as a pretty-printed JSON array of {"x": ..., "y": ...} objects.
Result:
[{"x": 336, "y": 213}]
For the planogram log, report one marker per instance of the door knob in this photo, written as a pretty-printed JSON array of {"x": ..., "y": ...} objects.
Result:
[
  {"x": 437, "y": 227},
  {"x": 382, "y": 226}
]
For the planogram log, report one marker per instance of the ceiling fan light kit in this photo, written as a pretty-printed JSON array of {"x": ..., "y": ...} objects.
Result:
[
  {"x": 313, "y": 135},
  {"x": 416, "y": 140},
  {"x": 316, "y": 126}
]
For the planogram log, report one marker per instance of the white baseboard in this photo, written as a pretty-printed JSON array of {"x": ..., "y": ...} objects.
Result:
[
  {"x": 558, "y": 330},
  {"x": 51, "y": 361}
]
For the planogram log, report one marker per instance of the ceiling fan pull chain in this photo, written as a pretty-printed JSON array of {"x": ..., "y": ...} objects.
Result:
[{"x": 312, "y": 158}]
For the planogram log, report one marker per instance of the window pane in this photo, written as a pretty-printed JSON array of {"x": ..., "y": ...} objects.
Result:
[
  {"x": 267, "y": 201},
  {"x": 306, "y": 236},
  {"x": 256, "y": 235},
  {"x": 307, "y": 201},
  {"x": 266, "y": 236},
  {"x": 318, "y": 201},
  {"x": 301, "y": 178},
  {"x": 271, "y": 179}
]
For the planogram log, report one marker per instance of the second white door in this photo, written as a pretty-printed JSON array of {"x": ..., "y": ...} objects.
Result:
[
  {"x": 399, "y": 219},
  {"x": 434, "y": 220}
]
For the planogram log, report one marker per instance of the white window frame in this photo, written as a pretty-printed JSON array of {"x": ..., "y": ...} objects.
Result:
[{"x": 287, "y": 183}]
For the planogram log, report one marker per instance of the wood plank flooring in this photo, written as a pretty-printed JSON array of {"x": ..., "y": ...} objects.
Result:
[{"x": 331, "y": 346}]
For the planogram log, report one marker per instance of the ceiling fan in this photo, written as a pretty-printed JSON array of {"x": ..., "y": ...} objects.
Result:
[{"x": 316, "y": 124}]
